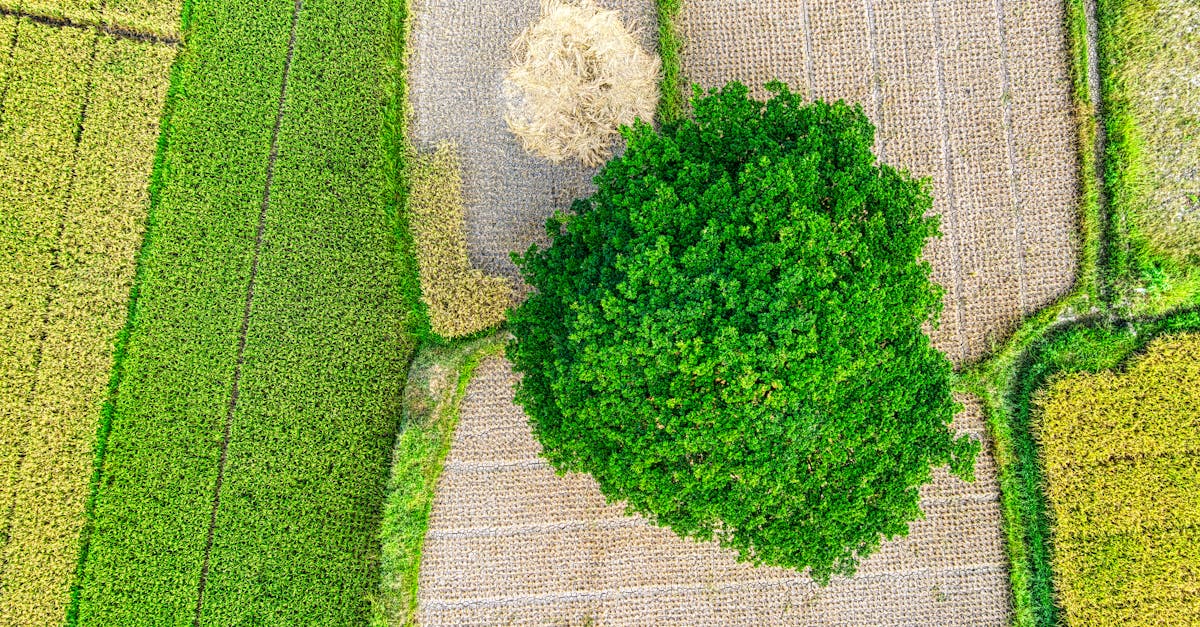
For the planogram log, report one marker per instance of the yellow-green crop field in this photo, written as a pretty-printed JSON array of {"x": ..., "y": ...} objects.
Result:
[
  {"x": 461, "y": 300},
  {"x": 79, "y": 118},
  {"x": 1121, "y": 454}
]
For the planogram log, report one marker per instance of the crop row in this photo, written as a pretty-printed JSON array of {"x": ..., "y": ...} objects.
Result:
[
  {"x": 1123, "y": 480},
  {"x": 70, "y": 229},
  {"x": 260, "y": 385},
  {"x": 156, "y": 18}
]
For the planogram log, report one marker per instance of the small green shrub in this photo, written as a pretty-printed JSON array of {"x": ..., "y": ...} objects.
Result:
[
  {"x": 461, "y": 300},
  {"x": 728, "y": 334}
]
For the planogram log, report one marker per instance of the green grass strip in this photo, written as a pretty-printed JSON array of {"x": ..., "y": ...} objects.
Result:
[
  {"x": 437, "y": 384},
  {"x": 672, "y": 104},
  {"x": 326, "y": 341}
]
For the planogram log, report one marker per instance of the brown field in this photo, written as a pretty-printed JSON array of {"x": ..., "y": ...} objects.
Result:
[
  {"x": 80, "y": 119},
  {"x": 511, "y": 543},
  {"x": 971, "y": 93}
]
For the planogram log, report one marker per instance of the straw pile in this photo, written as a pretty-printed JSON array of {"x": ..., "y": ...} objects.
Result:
[{"x": 577, "y": 76}]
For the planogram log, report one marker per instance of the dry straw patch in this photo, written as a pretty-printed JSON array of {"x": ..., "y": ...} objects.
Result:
[
  {"x": 578, "y": 75},
  {"x": 461, "y": 300}
]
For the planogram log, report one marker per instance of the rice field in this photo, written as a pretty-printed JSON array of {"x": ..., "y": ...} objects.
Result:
[
  {"x": 1120, "y": 448},
  {"x": 258, "y": 394},
  {"x": 79, "y": 120},
  {"x": 511, "y": 543}
]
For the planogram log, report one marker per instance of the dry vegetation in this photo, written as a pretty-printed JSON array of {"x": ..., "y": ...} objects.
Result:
[
  {"x": 69, "y": 232},
  {"x": 578, "y": 75},
  {"x": 461, "y": 300},
  {"x": 1121, "y": 452}
]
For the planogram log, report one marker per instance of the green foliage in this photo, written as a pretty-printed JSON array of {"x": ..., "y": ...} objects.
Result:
[
  {"x": 325, "y": 348},
  {"x": 437, "y": 383},
  {"x": 728, "y": 334},
  {"x": 1121, "y": 453}
]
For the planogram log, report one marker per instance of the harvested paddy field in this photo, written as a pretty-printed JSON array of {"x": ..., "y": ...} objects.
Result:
[
  {"x": 459, "y": 57},
  {"x": 976, "y": 96},
  {"x": 973, "y": 94},
  {"x": 509, "y": 542},
  {"x": 79, "y": 118}
]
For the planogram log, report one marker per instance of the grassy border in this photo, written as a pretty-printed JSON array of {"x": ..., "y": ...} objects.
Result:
[
  {"x": 398, "y": 153},
  {"x": 420, "y": 454},
  {"x": 121, "y": 345},
  {"x": 672, "y": 102}
]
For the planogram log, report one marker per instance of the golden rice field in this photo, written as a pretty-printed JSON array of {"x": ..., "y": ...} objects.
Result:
[
  {"x": 1121, "y": 454},
  {"x": 79, "y": 118}
]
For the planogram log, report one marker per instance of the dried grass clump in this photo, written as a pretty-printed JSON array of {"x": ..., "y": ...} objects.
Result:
[
  {"x": 461, "y": 300},
  {"x": 577, "y": 76}
]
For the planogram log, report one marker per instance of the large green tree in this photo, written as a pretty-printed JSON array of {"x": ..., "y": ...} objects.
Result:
[{"x": 728, "y": 334}]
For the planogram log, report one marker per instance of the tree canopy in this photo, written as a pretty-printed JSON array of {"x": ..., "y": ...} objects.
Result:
[{"x": 728, "y": 334}]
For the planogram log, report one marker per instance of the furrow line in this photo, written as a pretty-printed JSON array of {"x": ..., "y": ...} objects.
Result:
[
  {"x": 808, "y": 52},
  {"x": 245, "y": 327},
  {"x": 951, "y": 201},
  {"x": 115, "y": 31},
  {"x": 876, "y": 77},
  {"x": 1013, "y": 189},
  {"x": 12, "y": 52},
  {"x": 55, "y": 254}
]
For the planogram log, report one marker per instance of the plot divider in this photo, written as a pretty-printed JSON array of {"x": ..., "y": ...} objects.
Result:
[{"x": 245, "y": 327}]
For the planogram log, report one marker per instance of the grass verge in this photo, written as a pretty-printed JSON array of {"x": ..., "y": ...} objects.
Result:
[
  {"x": 436, "y": 385},
  {"x": 1149, "y": 116},
  {"x": 672, "y": 103},
  {"x": 296, "y": 294}
]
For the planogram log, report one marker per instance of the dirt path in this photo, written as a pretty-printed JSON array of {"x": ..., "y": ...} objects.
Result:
[
  {"x": 511, "y": 543},
  {"x": 972, "y": 93},
  {"x": 460, "y": 53}
]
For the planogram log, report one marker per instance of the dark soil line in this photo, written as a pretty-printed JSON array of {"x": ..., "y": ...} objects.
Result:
[
  {"x": 241, "y": 356},
  {"x": 944, "y": 123},
  {"x": 55, "y": 263},
  {"x": 115, "y": 31},
  {"x": 1014, "y": 191},
  {"x": 1105, "y": 283},
  {"x": 12, "y": 53}
]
